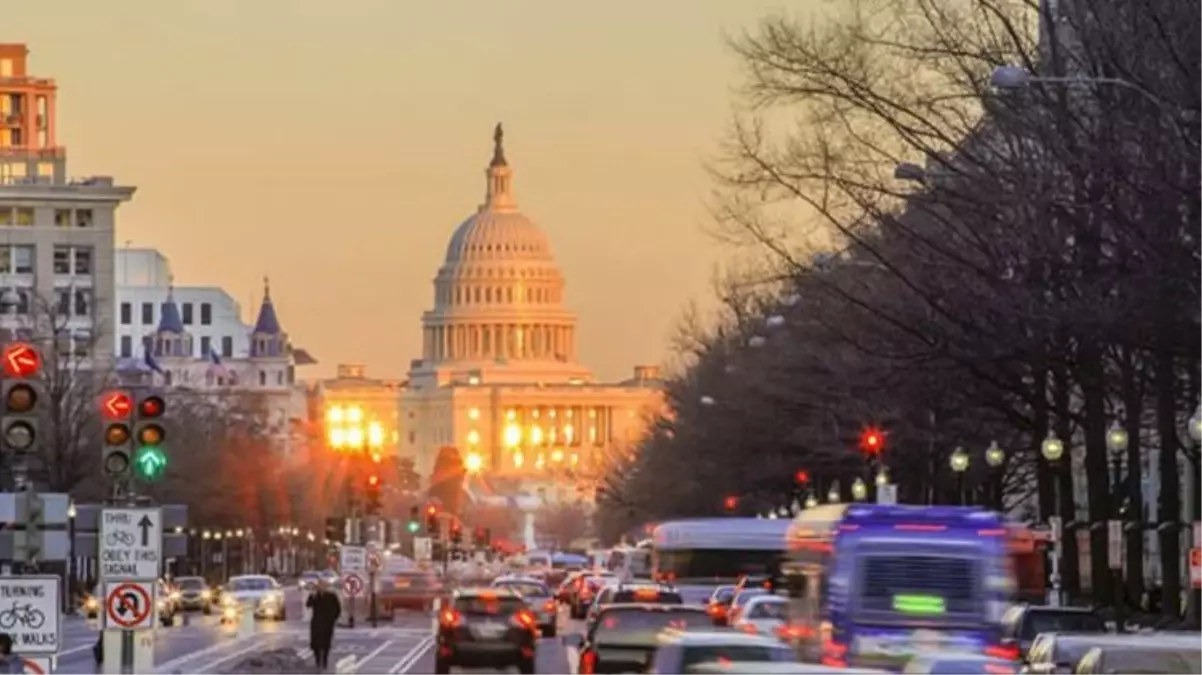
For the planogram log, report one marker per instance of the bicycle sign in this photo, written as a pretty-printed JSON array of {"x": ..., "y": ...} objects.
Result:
[
  {"x": 29, "y": 612},
  {"x": 131, "y": 543},
  {"x": 129, "y": 604}
]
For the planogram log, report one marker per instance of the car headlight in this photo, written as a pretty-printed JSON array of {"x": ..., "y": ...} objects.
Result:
[
  {"x": 91, "y": 603},
  {"x": 174, "y": 595},
  {"x": 207, "y": 595},
  {"x": 229, "y": 601}
]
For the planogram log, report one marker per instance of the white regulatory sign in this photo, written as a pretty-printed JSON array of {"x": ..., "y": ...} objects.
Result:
[
  {"x": 354, "y": 559},
  {"x": 423, "y": 549},
  {"x": 29, "y": 612},
  {"x": 131, "y": 543}
]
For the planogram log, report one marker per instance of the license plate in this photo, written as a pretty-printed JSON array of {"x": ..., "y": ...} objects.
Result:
[{"x": 488, "y": 630}]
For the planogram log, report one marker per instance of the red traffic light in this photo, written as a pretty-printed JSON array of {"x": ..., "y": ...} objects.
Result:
[
  {"x": 431, "y": 510},
  {"x": 152, "y": 406},
  {"x": 872, "y": 441},
  {"x": 373, "y": 480},
  {"x": 21, "y": 359},
  {"x": 802, "y": 477},
  {"x": 116, "y": 405},
  {"x": 730, "y": 503}
]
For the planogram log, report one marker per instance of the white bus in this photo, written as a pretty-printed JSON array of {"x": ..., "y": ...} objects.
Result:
[
  {"x": 698, "y": 555},
  {"x": 630, "y": 562}
]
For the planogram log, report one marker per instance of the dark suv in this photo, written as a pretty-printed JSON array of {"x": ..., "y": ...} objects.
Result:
[{"x": 486, "y": 628}]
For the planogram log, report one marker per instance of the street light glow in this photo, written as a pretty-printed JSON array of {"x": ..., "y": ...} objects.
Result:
[
  {"x": 375, "y": 434},
  {"x": 513, "y": 435},
  {"x": 473, "y": 462},
  {"x": 1052, "y": 448},
  {"x": 1116, "y": 438},
  {"x": 994, "y": 455},
  {"x": 959, "y": 460}
]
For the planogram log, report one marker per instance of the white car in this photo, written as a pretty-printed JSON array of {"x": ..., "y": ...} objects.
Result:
[
  {"x": 762, "y": 615},
  {"x": 258, "y": 593}
]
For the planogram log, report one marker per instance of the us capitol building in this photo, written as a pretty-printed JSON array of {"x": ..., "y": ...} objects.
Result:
[{"x": 498, "y": 379}]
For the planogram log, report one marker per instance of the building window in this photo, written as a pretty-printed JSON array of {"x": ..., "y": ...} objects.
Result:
[
  {"x": 25, "y": 216},
  {"x": 206, "y": 314},
  {"x": 64, "y": 302},
  {"x": 22, "y": 259},
  {"x": 187, "y": 314},
  {"x": 262, "y": 378},
  {"x": 83, "y": 217},
  {"x": 147, "y": 313},
  {"x": 24, "y": 301},
  {"x": 127, "y": 346},
  {"x": 127, "y": 314},
  {"x": 6, "y": 216},
  {"x": 206, "y": 346},
  {"x": 62, "y": 259},
  {"x": 83, "y": 302},
  {"x": 227, "y": 346},
  {"x": 62, "y": 217},
  {"x": 83, "y": 260}
]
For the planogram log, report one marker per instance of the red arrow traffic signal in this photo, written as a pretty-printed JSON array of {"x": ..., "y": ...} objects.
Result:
[
  {"x": 21, "y": 359},
  {"x": 116, "y": 405}
]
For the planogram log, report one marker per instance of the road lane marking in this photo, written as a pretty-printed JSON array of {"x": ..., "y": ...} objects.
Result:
[
  {"x": 75, "y": 650},
  {"x": 410, "y": 659},
  {"x": 371, "y": 655},
  {"x": 178, "y": 661},
  {"x": 573, "y": 655},
  {"x": 205, "y": 668}
]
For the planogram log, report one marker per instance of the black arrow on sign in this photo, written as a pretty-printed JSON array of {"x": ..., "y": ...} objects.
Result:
[{"x": 146, "y": 523}]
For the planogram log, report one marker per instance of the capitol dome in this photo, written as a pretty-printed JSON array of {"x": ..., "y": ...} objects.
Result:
[{"x": 498, "y": 294}]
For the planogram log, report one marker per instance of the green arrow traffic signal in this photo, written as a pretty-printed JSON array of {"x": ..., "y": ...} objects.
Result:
[{"x": 150, "y": 462}]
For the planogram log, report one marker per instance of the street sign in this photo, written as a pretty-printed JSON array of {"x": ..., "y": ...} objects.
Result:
[
  {"x": 29, "y": 613},
  {"x": 129, "y": 605},
  {"x": 131, "y": 543},
  {"x": 1195, "y": 567},
  {"x": 423, "y": 549},
  {"x": 352, "y": 583},
  {"x": 354, "y": 559},
  {"x": 37, "y": 666},
  {"x": 887, "y": 494},
  {"x": 1115, "y": 544}
]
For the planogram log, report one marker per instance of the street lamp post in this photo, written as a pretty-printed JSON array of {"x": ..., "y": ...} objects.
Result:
[
  {"x": 995, "y": 459},
  {"x": 959, "y": 464},
  {"x": 1052, "y": 450},
  {"x": 69, "y": 599},
  {"x": 859, "y": 490},
  {"x": 1117, "y": 441}
]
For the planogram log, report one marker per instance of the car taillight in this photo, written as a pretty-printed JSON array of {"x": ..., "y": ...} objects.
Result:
[
  {"x": 449, "y": 618},
  {"x": 588, "y": 663},
  {"x": 549, "y": 606},
  {"x": 748, "y": 628},
  {"x": 525, "y": 619},
  {"x": 1008, "y": 652},
  {"x": 716, "y": 610}
]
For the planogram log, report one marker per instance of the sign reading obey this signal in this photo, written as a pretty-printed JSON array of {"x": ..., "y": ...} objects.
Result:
[{"x": 131, "y": 543}]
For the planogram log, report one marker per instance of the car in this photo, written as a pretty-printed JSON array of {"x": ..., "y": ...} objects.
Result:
[
  {"x": 308, "y": 581},
  {"x": 1021, "y": 624},
  {"x": 583, "y": 591},
  {"x": 677, "y": 651},
  {"x": 539, "y": 598},
  {"x": 955, "y": 663},
  {"x": 623, "y": 638},
  {"x": 168, "y": 603},
  {"x": 718, "y": 605},
  {"x": 91, "y": 603},
  {"x": 763, "y": 615},
  {"x": 624, "y": 594},
  {"x": 194, "y": 593},
  {"x": 258, "y": 593},
  {"x": 740, "y": 601},
  {"x": 486, "y": 628},
  {"x": 409, "y": 590}
]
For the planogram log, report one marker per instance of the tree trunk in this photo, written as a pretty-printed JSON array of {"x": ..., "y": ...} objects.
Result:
[
  {"x": 1132, "y": 409},
  {"x": 1169, "y": 507},
  {"x": 1070, "y": 566},
  {"x": 1039, "y": 422},
  {"x": 1093, "y": 391}
]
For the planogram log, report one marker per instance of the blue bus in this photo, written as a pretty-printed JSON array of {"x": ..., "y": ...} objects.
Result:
[
  {"x": 871, "y": 585},
  {"x": 700, "y": 554}
]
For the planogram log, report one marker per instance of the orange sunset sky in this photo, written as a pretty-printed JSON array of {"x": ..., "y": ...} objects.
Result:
[{"x": 335, "y": 146}]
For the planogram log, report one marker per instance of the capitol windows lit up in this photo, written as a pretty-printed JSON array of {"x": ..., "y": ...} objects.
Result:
[{"x": 498, "y": 378}]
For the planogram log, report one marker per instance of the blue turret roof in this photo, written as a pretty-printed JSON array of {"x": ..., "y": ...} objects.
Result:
[
  {"x": 267, "y": 323},
  {"x": 169, "y": 319}
]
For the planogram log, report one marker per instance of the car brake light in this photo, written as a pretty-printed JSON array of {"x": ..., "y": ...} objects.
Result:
[
  {"x": 588, "y": 663},
  {"x": 449, "y": 618},
  {"x": 646, "y": 594},
  {"x": 1008, "y": 652},
  {"x": 748, "y": 628},
  {"x": 549, "y": 606},
  {"x": 716, "y": 610},
  {"x": 525, "y": 619}
]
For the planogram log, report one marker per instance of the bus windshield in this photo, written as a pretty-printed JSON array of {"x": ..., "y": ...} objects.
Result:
[{"x": 684, "y": 565}]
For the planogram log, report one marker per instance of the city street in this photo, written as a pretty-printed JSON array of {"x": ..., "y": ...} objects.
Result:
[{"x": 205, "y": 646}]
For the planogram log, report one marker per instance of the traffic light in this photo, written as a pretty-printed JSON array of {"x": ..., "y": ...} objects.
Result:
[
  {"x": 872, "y": 441},
  {"x": 456, "y": 534},
  {"x": 117, "y": 456},
  {"x": 802, "y": 477},
  {"x": 149, "y": 458},
  {"x": 730, "y": 503},
  {"x": 336, "y": 530},
  {"x": 432, "y": 520},
  {"x": 372, "y": 499},
  {"x": 482, "y": 537},
  {"x": 21, "y": 391},
  {"x": 31, "y": 513},
  {"x": 415, "y": 521}
]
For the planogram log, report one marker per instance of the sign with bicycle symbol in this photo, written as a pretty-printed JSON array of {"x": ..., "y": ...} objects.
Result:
[
  {"x": 129, "y": 604},
  {"x": 29, "y": 612},
  {"x": 131, "y": 543}
]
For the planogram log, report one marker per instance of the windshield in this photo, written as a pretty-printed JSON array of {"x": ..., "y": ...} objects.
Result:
[
  {"x": 525, "y": 589},
  {"x": 484, "y": 606},
  {"x": 191, "y": 583},
  {"x": 310, "y": 576},
  {"x": 770, "y": 609},
  {"x": 251, "y": 585},
  {"x": 614, "y": 622},
  {"x": 939, "y": 588},
  {"x": 1061, "y": 622},
  {"x": 723, "y": 653},
  {"x": 724, "y": 594},
  {"x": 716, "y": 564}
]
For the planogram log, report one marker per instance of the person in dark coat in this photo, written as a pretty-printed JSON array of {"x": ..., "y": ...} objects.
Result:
[{"x": 326, "y": 609}]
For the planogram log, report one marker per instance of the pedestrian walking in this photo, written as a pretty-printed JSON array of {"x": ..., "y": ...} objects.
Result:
[
  {"x": 9, "y": 662},
  {"x": 326, "y": 608}
]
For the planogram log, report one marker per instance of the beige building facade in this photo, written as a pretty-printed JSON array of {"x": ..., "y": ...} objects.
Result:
[{"x": 499, "y": 378}]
